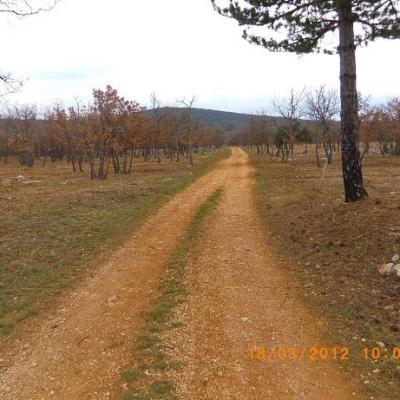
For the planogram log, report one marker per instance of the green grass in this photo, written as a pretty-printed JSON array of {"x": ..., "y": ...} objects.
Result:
[
  {"x": 55, "y": 231},
  {"x": 150, "y": 358}
]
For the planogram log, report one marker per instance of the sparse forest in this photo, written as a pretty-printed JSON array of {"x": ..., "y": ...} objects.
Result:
[
  {"x": 309, "y": 120},
  {"x": 102, "y": 137}
]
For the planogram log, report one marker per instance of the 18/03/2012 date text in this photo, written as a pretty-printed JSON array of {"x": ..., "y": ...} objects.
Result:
[{"x": 316, "y": 353}]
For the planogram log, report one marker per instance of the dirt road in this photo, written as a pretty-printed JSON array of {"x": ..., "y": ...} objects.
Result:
[{"x": 238, "y": 299}]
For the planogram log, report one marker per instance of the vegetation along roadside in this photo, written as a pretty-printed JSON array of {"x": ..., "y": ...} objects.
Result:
[{"x": 335, "y": 249}]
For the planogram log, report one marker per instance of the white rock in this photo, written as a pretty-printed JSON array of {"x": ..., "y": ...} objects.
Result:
[
  {"x": 396, "y": 270},
  {"x": 396, "y": 258},
  {"x": 386, "y": 269},
  {"x": 376, "y": 371}
]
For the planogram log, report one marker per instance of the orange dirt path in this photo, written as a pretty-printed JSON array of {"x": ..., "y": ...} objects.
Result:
[
  {"x": 79, "y": 351},
  {"x": 240, "y": 298}
]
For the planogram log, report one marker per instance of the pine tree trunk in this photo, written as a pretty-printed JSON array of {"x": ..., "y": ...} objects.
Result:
[{"x": 351, "y": 161}]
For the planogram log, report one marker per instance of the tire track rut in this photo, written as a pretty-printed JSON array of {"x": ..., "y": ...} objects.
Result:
[{"x": 79, "y": 351}]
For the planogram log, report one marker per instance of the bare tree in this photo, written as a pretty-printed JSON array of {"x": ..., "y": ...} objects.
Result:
[
  {"x": 155, "y": 104},
  {"x": 260, "y": 132},
  {"x": 23, "y": 119},
  {"x": 291, "y": 111},
  {"x": 322, "y": 106},
  {"x": 366, "y": 121},
  {"x": 189, "y": 105}
]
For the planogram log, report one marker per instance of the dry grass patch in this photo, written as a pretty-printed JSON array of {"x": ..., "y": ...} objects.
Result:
[{"x": 334, "y": 249}]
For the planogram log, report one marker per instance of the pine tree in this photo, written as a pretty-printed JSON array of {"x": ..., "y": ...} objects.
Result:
[{"x": 300, "y": 26}]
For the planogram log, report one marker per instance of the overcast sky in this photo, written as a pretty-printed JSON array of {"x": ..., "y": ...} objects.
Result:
[{"x": 176, "y": 48}]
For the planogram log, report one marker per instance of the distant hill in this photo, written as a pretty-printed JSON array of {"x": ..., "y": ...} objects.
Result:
[
  {"x": 214, "y": 118},
  {"x": 225, "y": 119}
]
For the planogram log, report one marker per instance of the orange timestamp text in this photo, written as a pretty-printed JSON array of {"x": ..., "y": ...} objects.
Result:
[
  {"x": 319, "y": 353},
  {"x": 295, "y": 353}
]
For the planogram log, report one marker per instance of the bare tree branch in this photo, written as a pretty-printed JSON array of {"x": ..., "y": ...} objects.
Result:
[
  {"x": 9, "y": 83},
  {"x": 24, "y": 8},
  {"x": 20, "y": 8}
]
